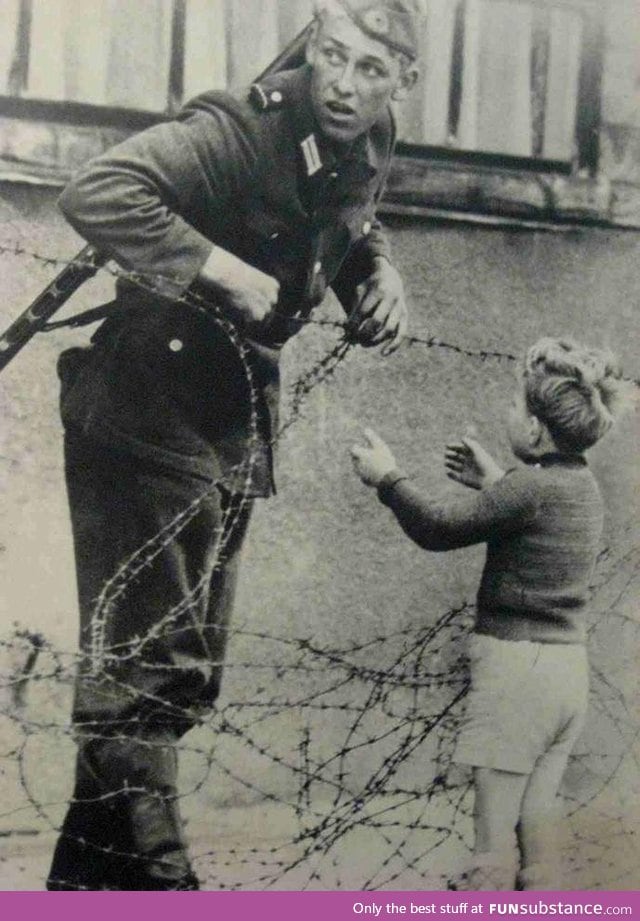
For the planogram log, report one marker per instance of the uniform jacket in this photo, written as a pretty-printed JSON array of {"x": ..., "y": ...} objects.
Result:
[{"x": 248, "y": 172}]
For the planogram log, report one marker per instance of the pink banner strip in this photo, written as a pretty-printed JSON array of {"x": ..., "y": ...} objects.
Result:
[{"x": 314, "y": 906}]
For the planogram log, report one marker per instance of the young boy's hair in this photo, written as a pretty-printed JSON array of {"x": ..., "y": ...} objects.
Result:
[{"x": 576, "y": 391}]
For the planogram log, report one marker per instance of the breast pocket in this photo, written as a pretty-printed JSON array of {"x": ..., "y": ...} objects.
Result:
[{"x": 271, "y": 243}]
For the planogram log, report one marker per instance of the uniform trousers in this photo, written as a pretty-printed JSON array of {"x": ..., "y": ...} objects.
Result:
[{"x": 157, "y": 556}]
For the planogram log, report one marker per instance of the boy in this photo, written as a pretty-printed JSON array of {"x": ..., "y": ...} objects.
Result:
[{"x": 542, "y": 522}]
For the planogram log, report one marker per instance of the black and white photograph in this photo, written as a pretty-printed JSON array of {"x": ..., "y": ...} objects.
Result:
[{"x": 319, "y": 383}]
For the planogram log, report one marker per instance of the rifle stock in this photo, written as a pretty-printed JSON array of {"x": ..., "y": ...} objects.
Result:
[
  {"x": 87, "y": 262},
  {"x": 34, "y": 318}
]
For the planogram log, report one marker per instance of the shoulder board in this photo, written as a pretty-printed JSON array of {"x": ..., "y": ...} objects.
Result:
[{"x": 264, "y": 99}]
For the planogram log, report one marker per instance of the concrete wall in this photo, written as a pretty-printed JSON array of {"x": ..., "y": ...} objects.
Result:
[{"x": 324, "y": 562}]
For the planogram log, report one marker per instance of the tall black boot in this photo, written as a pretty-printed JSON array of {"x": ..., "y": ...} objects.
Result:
[
  {"x": 93, "y": 842},
  {"x": 143, "y": 774}
]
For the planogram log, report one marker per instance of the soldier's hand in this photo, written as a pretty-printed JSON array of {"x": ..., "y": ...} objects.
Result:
[
  {"x": 381, "y": 315},
  {"x": 245, "y": 290}
]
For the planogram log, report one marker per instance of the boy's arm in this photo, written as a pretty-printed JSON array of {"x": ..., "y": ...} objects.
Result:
[{"x": 506, "y": 507}]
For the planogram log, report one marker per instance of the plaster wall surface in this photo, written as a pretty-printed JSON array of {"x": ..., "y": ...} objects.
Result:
[{"x": 325, "y": 563}]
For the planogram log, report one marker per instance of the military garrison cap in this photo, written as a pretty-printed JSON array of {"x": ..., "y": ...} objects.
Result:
[{"x": 395, "y": 23}]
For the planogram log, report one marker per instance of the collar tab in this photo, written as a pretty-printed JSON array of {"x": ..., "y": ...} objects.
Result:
[{"x": 311, "y": 154}]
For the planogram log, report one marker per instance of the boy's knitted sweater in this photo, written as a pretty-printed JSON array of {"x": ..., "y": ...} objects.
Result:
[{"x": 542, "y": 523}]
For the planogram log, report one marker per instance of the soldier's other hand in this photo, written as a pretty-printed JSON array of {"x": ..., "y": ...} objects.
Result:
[
  {"x": 381, "y": 315},
  {"x": 247, "y": 291},
  {"x": 373, "y": 460}
]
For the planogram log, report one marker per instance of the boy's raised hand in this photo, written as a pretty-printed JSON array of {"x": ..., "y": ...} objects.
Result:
[
  {"x": 468, "y": 463},
  {"x": 374, "y": 460}
]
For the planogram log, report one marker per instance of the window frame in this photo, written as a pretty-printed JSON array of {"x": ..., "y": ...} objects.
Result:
[
  {"x": 587, "y": 128},
  {"x": 588, "y": 106},
  {"x": 19, "y": 78},
  {"x": 411, "y": 159}
]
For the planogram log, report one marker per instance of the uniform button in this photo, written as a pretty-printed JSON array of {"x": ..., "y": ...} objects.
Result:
[
  {"x": 176, "y": 345},
  {"x": 276, "y": 96},
  {"x": 316, "y": 268},
  {"x": 366, "y": 228}
]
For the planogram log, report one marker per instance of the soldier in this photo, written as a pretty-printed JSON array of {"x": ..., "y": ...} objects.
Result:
[{"x": 262, "y": 199}]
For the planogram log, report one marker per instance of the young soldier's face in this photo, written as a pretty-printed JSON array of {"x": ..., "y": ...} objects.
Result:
[{"x": 354, "y": 78}]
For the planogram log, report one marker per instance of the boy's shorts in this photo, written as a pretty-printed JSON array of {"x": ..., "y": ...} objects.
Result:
[{"x": 526, "y": 699}]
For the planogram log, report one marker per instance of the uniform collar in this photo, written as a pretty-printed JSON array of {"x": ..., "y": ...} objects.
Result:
[
  {"x": 560, "y": 459},
  {"x": 292, "y": 90}
]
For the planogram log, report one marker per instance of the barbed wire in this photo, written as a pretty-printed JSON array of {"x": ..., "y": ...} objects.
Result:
[
  {"x": 149, "y": 284},
  {"x": 391, "y": 700}
]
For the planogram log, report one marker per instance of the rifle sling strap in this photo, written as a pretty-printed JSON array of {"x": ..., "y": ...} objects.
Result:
[{"x": 85, "y": 318}]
